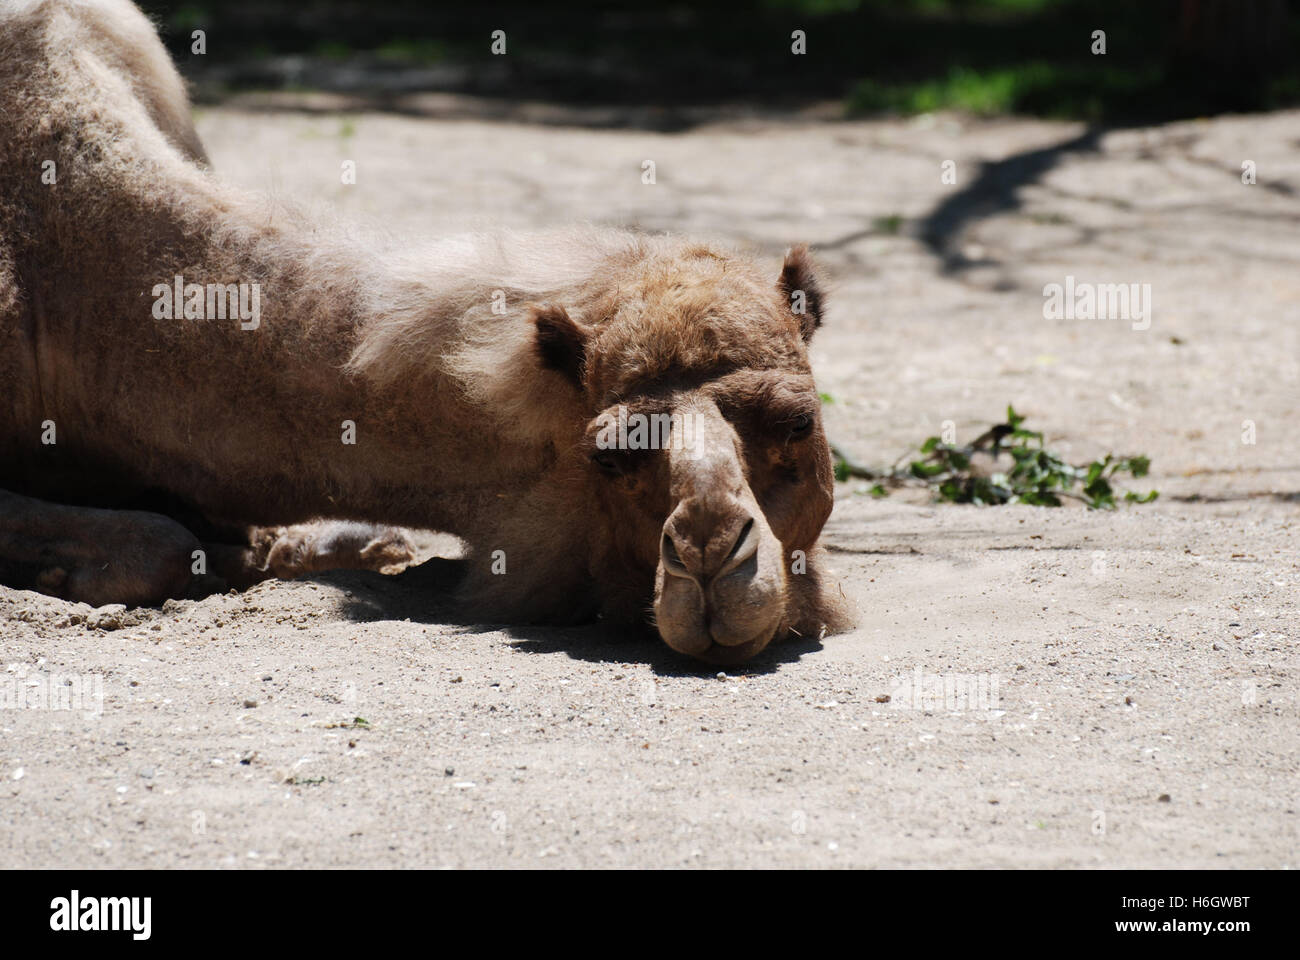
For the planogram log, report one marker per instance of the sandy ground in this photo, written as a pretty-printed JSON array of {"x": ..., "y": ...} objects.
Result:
[{"x": 1135, "y": 672}]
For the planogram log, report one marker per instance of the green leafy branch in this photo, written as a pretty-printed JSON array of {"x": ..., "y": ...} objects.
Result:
[{"x": 1033, "y": 475}]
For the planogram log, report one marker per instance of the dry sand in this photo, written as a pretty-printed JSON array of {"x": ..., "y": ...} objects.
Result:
[{"x": 1145, "y": 660}]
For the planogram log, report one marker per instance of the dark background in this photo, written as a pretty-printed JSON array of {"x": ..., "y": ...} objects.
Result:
[{"x": 1166, "y": 59}]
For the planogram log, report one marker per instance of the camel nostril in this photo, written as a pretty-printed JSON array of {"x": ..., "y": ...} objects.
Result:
[
  {"x": 742, "y": 541},
  {"x": 672, "y": 559}
]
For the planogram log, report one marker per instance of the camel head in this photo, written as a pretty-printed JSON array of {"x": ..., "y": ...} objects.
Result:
[{"x": 710, "y": 472}]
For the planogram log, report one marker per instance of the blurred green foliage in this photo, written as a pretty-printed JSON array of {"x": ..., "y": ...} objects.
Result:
[{"x": 1036, "y": 87}]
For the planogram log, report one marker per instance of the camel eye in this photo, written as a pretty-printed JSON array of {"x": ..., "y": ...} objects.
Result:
[
  {"x": 607, "y": 462},
  {"x": 801, "y": 426}
]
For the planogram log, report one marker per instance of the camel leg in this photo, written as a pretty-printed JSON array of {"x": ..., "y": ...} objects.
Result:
[
  {"x": 286, "y": 553},
  {"x": 235, "y": 566},
  {"x": 304, "y": 548},
  {"x": 93, "y": 556}
]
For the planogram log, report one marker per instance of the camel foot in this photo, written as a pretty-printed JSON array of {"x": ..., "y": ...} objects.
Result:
[
  {"x": 304, "y": 548},
  {"x": 94, "y": 556}
]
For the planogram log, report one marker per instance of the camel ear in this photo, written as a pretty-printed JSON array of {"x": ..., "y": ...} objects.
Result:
[
  {"x": 561, "y": 342},
  {"x": 802, "y": 292}
]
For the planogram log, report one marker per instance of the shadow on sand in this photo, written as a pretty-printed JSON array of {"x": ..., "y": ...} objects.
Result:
[{"x": 424, "y": 594}]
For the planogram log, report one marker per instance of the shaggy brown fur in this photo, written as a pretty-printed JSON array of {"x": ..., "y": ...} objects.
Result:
[{"x": 468, "y": 418}]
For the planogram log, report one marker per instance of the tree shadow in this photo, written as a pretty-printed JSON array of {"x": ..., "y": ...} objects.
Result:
[
  {"x": 439, "y": 106},
  {"x": 995, "y": 189},
  {"x": 1276, "y": 496}
]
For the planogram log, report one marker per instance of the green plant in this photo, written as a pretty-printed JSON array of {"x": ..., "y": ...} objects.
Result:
[
  {"x": 889, "y": 225},
  {"x": 1033, "y": 475},
  {"x": 356, "y": 723}
]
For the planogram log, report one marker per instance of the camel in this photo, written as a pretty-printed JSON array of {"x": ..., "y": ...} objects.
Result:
[{"x": 463, "y": 386}]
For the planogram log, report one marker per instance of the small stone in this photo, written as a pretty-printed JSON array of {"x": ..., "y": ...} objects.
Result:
[
  {"x": 1164, "y": 798},
  {"x": 250, "y": 704},
  {"x": 109, "y": 617}
]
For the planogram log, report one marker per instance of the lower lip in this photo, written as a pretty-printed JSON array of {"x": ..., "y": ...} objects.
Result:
[{"x": 737, "y": 653}]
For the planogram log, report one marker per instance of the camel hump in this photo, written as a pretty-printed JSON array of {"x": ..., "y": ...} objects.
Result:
[{"x": 119, "y": 35}]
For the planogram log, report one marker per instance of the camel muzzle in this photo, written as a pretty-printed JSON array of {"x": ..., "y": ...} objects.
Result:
[{"x": 719, "y": 594}]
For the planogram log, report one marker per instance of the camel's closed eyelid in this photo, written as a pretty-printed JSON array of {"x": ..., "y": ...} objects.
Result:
[
  {"x": 616, "y": 461},
  {"x": 801, "y": 425},
  {"x": 787, "y": 420},
  {"x": 607, "y": 462}
]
